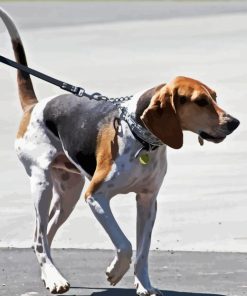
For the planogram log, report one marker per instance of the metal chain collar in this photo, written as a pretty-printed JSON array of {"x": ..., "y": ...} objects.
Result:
[
  {"x": 116, "y": 101},
  {"x": 80, "y": 92},
  {"x": 143, "y": 133}
]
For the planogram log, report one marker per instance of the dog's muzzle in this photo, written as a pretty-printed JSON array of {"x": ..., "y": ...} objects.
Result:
[
  {"x": 232, "y": 124},
  {"x": 221, "y": 133}
]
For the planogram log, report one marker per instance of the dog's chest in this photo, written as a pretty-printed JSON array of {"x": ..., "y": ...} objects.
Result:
[{"x": 137, "y": 173}]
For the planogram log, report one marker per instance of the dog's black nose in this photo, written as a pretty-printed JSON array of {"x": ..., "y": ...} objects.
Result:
[{"x": 233, "y": 124}]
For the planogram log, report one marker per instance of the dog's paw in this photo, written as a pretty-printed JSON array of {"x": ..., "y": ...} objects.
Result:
[
  {"x": 150, "y": 291},
  {"x": 116, "y": 270},
  {"x": 54, "y": 281}
]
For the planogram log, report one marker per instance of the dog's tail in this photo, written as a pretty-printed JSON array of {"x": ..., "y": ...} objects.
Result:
[{"x": 25, "y": 86}]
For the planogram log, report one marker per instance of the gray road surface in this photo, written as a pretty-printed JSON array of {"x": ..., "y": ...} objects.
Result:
[
  {"x": 176, "y": 274},
  {"x": 118, "y": 49},
  {"x": 39, "y": 14}
]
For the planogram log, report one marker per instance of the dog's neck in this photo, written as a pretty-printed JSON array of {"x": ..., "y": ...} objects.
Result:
[
  {"x": 135, "y": 108},
  {"x": 141, "y": 102}
]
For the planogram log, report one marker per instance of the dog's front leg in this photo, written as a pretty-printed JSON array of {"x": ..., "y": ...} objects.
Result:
[
  {"x": 146, "y": 214},
  {"x": 100, "y": 205}
]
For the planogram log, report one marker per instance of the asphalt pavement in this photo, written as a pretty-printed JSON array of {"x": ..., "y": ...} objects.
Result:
[{"x": 174, "y": 273}]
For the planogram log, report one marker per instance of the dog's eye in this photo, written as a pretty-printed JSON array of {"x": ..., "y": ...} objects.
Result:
[
  {"x": 182, "y": 99},
  {"x": 201, "y": 102}
]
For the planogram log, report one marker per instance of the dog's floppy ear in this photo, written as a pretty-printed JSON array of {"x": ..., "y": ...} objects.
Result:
[{"x": 161, "y": 119}]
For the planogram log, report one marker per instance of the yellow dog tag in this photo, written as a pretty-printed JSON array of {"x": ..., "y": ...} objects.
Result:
[{"x": 144, "y": 159}]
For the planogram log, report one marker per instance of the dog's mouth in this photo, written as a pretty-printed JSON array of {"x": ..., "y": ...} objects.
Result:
[{"x": 211, "y": 138}]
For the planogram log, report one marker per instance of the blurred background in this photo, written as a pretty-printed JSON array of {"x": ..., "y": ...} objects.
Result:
[{"x": 119, "y": 48}]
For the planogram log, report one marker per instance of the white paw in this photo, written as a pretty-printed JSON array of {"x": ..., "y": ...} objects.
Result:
[
  {"x": 54, "y": 281},
  {"x": 116, "y": 270},
  {"x": 149, "y": 291}
]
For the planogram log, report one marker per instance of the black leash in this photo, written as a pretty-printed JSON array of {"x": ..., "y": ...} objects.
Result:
[
  {"x": 78, "y": 91},
  {"x": 146, "y": 138}
]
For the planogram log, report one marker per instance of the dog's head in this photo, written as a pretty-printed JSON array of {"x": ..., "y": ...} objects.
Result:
[{"x": 187, "y": 104}]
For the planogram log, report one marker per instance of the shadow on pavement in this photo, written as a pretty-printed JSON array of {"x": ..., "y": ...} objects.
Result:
[{"x": 132, "y": 292}]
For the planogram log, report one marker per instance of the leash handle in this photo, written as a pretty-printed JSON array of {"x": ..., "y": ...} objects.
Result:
[{"x": 78, "y": 91}]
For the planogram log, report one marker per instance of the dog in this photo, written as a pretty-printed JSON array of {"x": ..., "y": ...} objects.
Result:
[{"x": 64, "y": 139}]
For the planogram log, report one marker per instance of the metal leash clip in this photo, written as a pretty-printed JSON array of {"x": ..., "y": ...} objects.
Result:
[{"x": 78, "y": 91}]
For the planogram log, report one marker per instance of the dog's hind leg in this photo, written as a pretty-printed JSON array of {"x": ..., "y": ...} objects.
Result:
[
  {"x": 41, "y": 188},
  {"x": 67, "y": 188}
]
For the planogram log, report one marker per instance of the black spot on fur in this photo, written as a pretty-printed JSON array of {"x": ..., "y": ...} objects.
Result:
[
  {"x": 39, "y": 248},
  {"x": 52, "y": 127},
  {"x": 87, "y": 162}
]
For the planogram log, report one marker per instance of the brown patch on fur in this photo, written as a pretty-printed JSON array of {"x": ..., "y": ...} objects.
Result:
[
  {"x": 25, "y": 86},
  {"x": 161, "y": 118},
  {"x": 24, "y": 122},
  {"x": 62, "y": 162},
  {"x": 144, "y": 101},
  {"x": 106, "y": 153}
]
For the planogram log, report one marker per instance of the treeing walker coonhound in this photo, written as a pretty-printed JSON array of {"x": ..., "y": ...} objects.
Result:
[{"x": 62, "y": 140}]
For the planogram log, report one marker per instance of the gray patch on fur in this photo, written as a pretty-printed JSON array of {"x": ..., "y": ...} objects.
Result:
[{"x": 77, "y": 122}]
